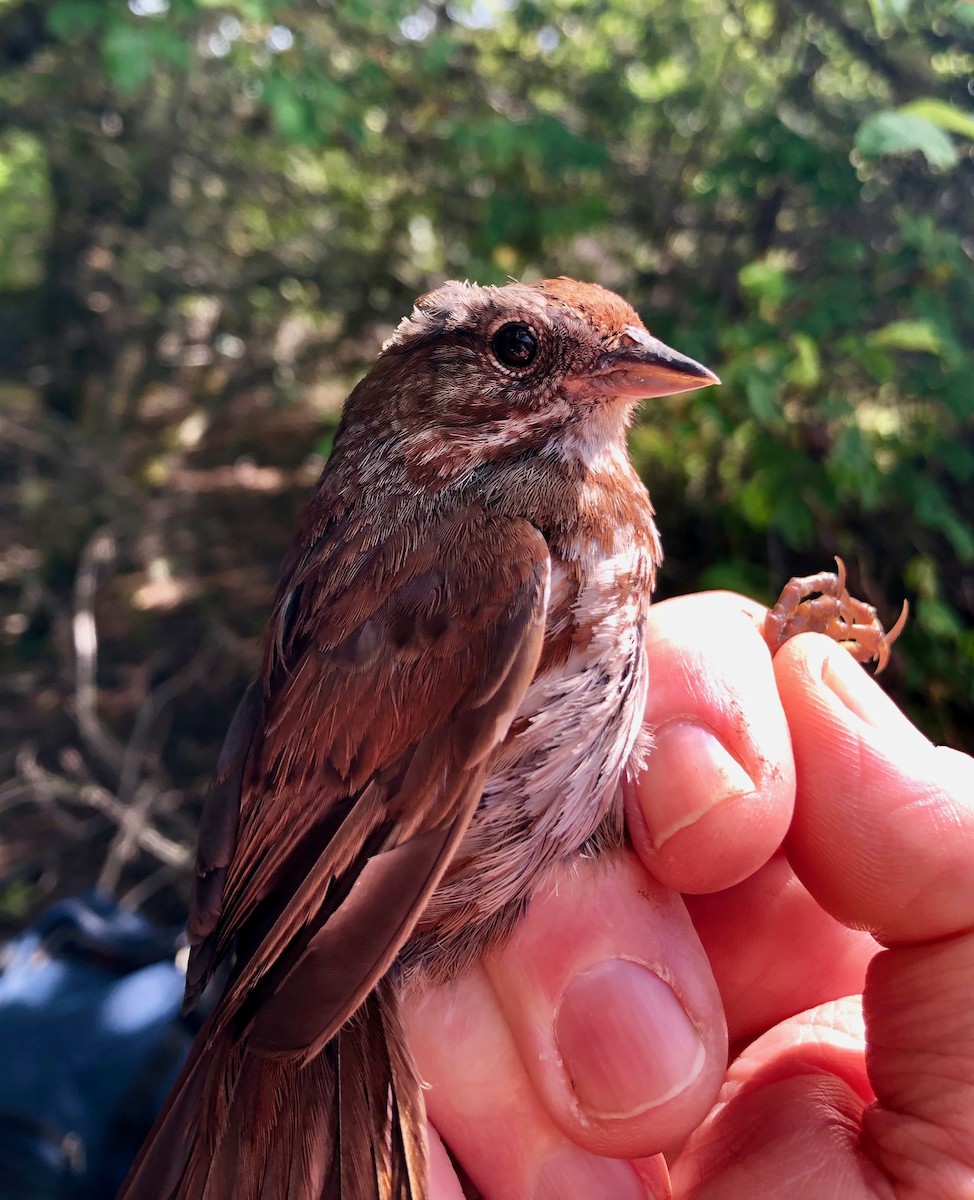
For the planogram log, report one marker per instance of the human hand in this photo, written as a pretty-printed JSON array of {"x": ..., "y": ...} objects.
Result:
[{"x": 600, "y": 1028}]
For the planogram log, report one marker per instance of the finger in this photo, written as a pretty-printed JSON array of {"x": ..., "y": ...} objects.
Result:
[
  {"x": 774, "y": 951},
  {"x": 884, "y": 836},
  {"x": 716, "y": 795},
  {"x": 788, "y": 1120},
  {"x": 596, "y": 1029},
  {"x": 444, "y": 1184},
  {"x": 795, "y": 1122},
  {"x": 483, "y": 1105},
  {"x": 905, "y": 868},
  {"x": 884, "y": 833},
  {"x": 612, "y": 1007}
]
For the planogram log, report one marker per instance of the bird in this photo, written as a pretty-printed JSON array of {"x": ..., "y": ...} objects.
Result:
[{"x": 451, "y": 694}]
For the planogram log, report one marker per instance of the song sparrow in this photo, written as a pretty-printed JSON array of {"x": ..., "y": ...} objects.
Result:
[{"x": 452, "y": 688}]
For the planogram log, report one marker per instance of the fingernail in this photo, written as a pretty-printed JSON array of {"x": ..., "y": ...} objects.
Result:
[
  {"x": 626, "y": 1043},
  {"x": 571, "y": 1174},
  {"x": 690, "y": 772}
]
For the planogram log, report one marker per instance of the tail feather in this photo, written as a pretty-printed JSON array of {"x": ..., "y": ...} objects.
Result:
[
  {"x": 410, "y": 1152},
  {"x": 380, "y": 1090},
  {"x": 347, "y": 1125},
  {"x": 361, "y": 1165}
]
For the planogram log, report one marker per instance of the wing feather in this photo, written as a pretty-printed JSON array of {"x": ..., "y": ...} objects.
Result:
[{"x": 395, "y": 666}]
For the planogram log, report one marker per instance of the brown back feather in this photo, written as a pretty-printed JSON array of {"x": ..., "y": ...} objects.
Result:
[{"x": 380, "y": 718}]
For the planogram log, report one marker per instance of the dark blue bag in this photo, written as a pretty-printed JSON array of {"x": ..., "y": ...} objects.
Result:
[{"x": 90, "y": 1042}]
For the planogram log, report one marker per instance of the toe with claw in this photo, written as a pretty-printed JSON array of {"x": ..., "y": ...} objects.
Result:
[{"x": 821, "y": 604}]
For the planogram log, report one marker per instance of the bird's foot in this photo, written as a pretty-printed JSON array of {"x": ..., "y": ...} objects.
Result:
[{"x": 820, "y": 604}]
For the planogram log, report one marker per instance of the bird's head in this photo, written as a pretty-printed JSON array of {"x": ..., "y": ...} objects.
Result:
[{"x": 479, "y": 374}]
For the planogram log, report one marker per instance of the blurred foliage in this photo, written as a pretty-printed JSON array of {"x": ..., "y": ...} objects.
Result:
[{"x": 210, "y": 214}]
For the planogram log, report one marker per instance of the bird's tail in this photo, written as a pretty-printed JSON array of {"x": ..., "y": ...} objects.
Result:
[{"x": 347, "y": 1125}]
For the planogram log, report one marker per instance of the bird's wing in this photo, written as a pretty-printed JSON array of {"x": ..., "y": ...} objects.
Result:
[{"x": 345, "y": 786}]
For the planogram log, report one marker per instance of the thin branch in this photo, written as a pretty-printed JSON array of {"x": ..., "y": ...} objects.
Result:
[
  {"x": 149, "y": 710},
  {"x": 51, "y": 786},
  {"x": 155, "y": 881},
  {"x": 99, "y": 551},
  {"x": 145, "y": 796},
  {"x": 35, "y": 785},
  {"x": 125, "y": 843}
]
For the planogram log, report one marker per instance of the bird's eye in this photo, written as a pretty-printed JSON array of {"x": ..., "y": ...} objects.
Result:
[{"x": 515, "y": 345}]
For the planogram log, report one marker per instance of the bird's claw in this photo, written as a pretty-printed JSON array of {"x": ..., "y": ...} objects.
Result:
[{"x": 821, "y": 604}]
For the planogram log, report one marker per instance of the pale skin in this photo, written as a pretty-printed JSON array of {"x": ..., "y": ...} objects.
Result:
[{"x": 567, "y": 1045}]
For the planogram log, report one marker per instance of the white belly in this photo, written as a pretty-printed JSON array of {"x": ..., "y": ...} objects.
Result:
[{"x": 553, "y": 784}]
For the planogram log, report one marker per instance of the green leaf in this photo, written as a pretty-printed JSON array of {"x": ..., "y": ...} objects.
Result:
[
  {"x": 938, "y": 618},
  {"x": 755, "y": 503},
  {"x": 130, "y": 52},
  {"x": 735, "y": 575},
  {"x": 917, "y": 336},
  {"x": 964, "y": 12},
  {"x": 853, "y": 469},
  {"x": 894, "y": 131},
  {"x": 943, "y": 115},
  {"x": 793, "y": 519},
  {"x": 934, "y": 510},
  {"x": 290, "y": 112},
  {"x": 762, "y": 398},
  {"x": 886, "y": 12},
  {"x": 805, "y": 369},
  {"x": 69, "y": 19},
  {"x": 764, "y": 281},
  {"x": 127, "y": 57},
  {"x": 958, "y": 458}
]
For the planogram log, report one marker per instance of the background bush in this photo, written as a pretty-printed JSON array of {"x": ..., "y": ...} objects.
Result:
[{"x": 211, "y": 213}]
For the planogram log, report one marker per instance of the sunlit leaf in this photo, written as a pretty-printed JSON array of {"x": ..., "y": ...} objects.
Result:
[
  {"x": 917, "y": 336},
  {"x": 25, "y": 210},
  {"x": 765, "y": 282},
  {"x": 943, "y": 115},
  {"x": 886, "y": 12},
  {"x": 805, "y": 370},
  {"x": 128, "y": 58},
  {"x": 964, "y": 11},
  {"x": 895, "y": 131}
]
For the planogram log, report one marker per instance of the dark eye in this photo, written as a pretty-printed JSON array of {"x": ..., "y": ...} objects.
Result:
[{"x": 515, "y": 345}]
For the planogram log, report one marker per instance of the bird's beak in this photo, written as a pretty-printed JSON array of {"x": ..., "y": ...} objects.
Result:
[{"x": 646, "y": 368}]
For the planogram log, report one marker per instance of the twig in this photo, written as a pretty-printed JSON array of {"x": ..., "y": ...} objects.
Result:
[
  {"x": 99, "y": 551},
  {"x": 40, "y": 786},
  {"x": 154, "y": 882},
  {"x": 125, "y": 843},
  {"x": 58, "y": 787},
  {"x": 145, "y": 796},
  {"x": 149, "y": 710}
]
